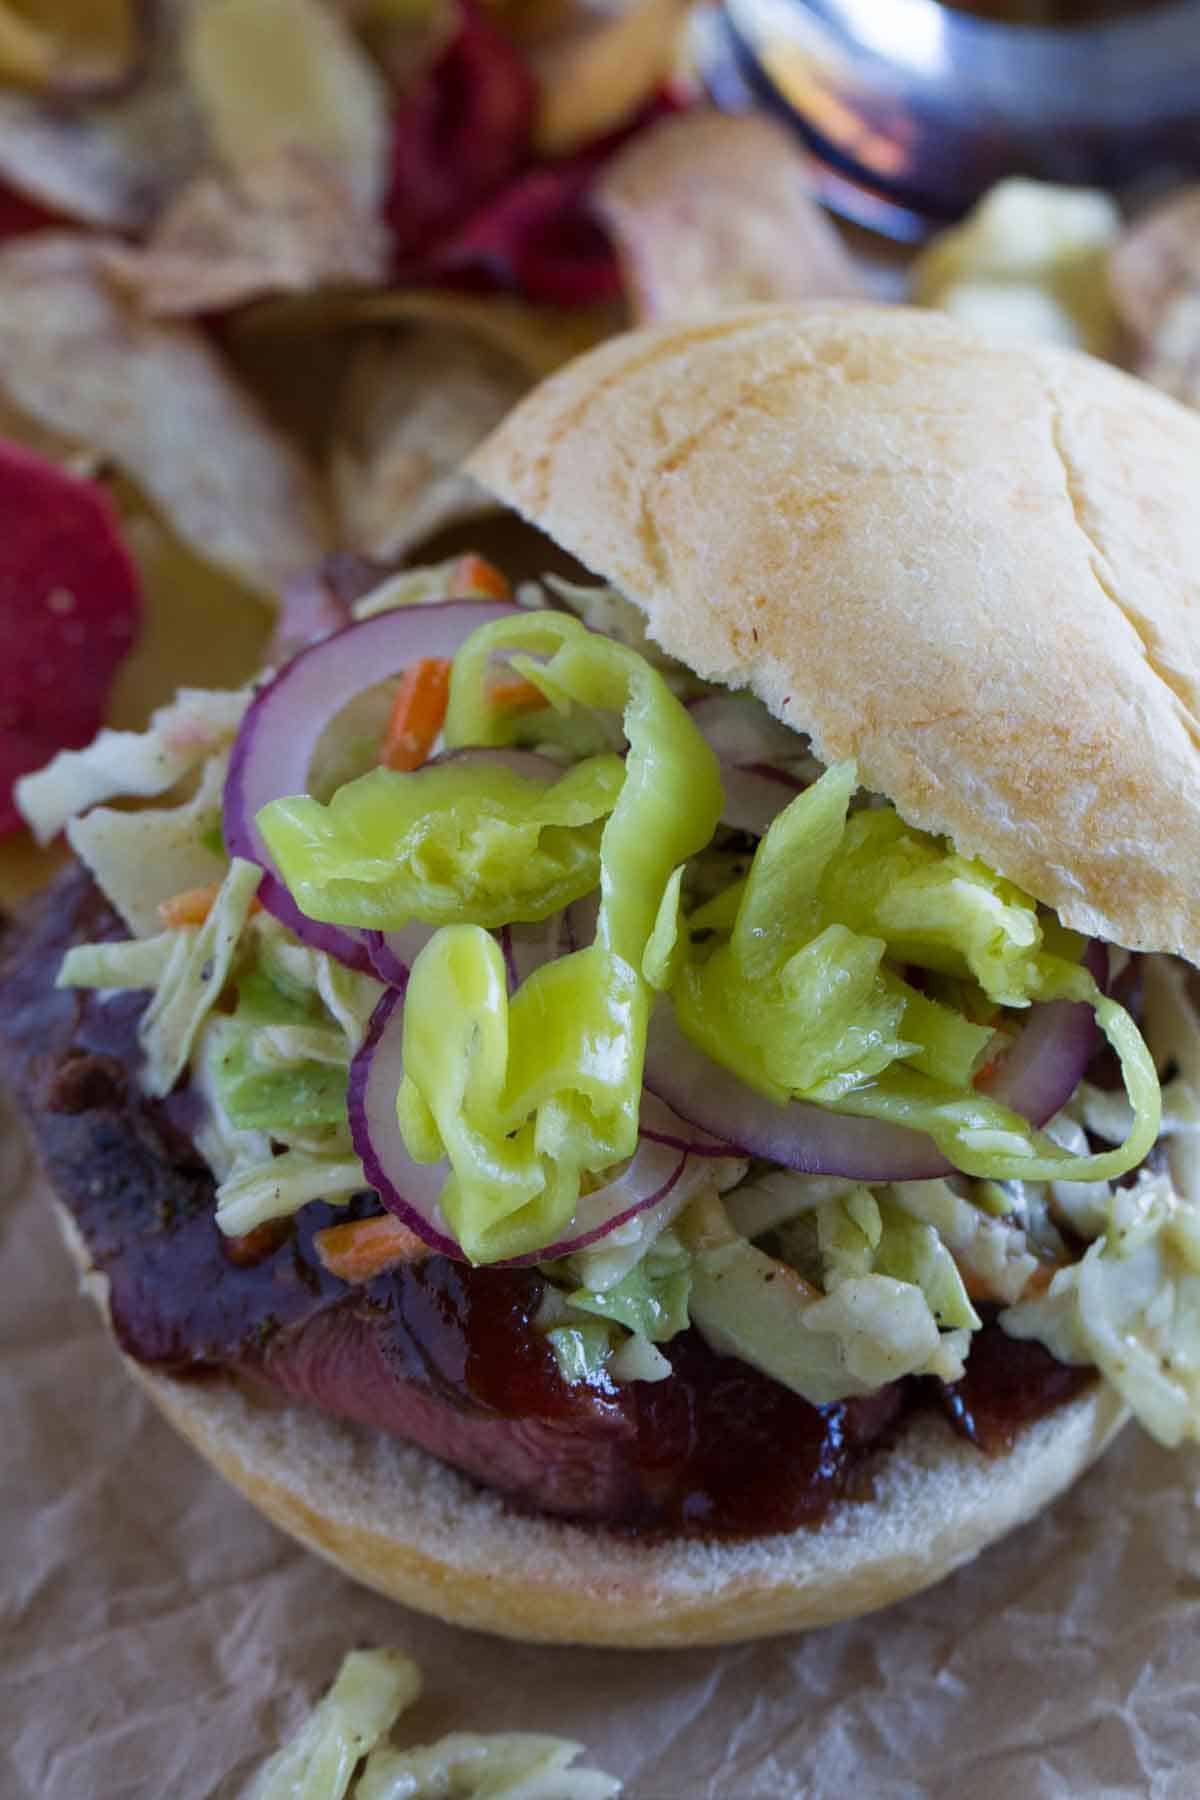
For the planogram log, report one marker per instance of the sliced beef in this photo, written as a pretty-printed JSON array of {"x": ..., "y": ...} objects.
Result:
[{"x": 439, "y": 1355}]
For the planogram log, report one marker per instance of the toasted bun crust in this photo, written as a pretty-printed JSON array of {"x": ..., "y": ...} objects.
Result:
[
  {"x": 975, "y": 569},
  {"x": 396, "y": 1519}
]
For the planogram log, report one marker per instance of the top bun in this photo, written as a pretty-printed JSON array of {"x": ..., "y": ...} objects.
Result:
[{"x": 974, "y": 568}]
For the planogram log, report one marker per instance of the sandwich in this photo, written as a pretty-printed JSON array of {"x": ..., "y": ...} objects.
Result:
[{"x": 660, "y": 1109}]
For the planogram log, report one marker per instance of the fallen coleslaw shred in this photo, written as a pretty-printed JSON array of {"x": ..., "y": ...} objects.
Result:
[{"x": 343, "y": 1750}]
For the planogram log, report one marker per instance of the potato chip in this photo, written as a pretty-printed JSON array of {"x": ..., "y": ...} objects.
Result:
[
  {"x": 541, "y": 339},
  {"x": 69, "y": 612},
  {"x": 320, "y": 600},
  {"x": 540, "y": 237},
  {"x": 601, "y": 70},
  {"x": 156, "y": 400},
  {"x": 458, "y": 137},
  {"x": 711, "y": 210},
  {"x": 285, "y": 225},
  {"x": 413, "y": 409},
  {"x": 1171, "y": 361},
  {"x": 109, "y": 163},
  {"x": 1155, "y": 260},
  {"x": 68, "y": 46},
  {"x": 275, "y": 75},
  {"x": 405, "y": 37},
  {"x": 1027, "y": 264},
  {"x": 1154, "y": 271}
]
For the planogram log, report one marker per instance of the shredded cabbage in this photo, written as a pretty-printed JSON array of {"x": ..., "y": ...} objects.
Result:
[
  {"x": 583, "y": 1349},
  {"x": 993, "y": 1252},
  {"x": 1131, "y": 1306},
  {"x": 602, "y": 1265},
  {"x": 826, "y": 1347},
  {"x": 325, "y": 1759},
  {"x": 283, "y": 1184},
  {"x": 510, "y": 1765},
  {"x": 458, "y": 843},
  {"x": 226, "y": 1149},
  {"x": 196, "y": 725},
  {"x": 652, "y": 1299},
  {"x": 128, "y": 963},
  {"x": 864, "y": 1234},
  {"x": 188, "y": 985},
  {"x": 139, "y": 859},
  {"x": 372, "y": 1689}
]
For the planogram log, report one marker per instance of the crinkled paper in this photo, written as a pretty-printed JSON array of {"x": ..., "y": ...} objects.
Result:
[{"x": 158, "y": 1638}]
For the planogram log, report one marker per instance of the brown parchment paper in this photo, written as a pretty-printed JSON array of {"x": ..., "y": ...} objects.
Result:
[{"x": 158, "y": 1638}]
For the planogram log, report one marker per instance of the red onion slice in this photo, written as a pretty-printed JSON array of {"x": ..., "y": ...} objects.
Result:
[
  {"x": 528, "y": 948},
  {"x": 753, "y": 797},
  {"x": 740, "y": 731},
  {"x": 1036, "y": 1077},
  {"x": 375, "y": 1076},
  {"x": 274, "y": 749},
  {"x": 580, "y": 921},
  {"x": 1044, "y": 1065},
  {"x": 411, "y": 1190},
  {"x": 393, "y": 953}
]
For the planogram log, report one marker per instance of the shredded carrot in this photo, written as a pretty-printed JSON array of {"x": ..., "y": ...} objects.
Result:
[
  {"x": 513, "y": 694},
  {"x": 418, "y": 712},
  {"x": 472, "y": 577},
  {"x": 363, "y": 1248},
  {"x": 191, "y": 907},
  {"x": 1041, "y": 1278},
  {"x": 1039, "y": 1281}
]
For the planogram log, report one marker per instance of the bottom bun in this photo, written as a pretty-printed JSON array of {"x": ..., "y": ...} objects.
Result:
[{"x": 396, "y": 1519}]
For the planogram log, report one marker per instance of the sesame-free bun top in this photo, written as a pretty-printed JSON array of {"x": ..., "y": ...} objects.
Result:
[{"x": 972, "y": 567}]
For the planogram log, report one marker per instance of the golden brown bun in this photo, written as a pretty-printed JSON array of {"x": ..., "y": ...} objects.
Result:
[
  {"x": 395, "y": 1518},
  {"x": 974, "y": 568}
]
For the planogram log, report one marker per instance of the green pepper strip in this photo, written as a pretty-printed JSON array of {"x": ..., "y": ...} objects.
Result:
[{"x": 528, "y": 1097}]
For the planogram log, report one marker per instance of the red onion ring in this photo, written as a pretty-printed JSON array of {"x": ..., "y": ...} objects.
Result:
[
  {"x": 742, "y": 733},
  {"x": 754, "y": 796},
  {"x": 411, "y": 1190},
  {"x": 1035, "y": 1078},
  {"x": 274, "y": 748},
  {"x": 376, "y": 1072}
]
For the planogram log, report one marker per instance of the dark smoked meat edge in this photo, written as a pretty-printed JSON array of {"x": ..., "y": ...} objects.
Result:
[{"x": 439, "y": 1355}]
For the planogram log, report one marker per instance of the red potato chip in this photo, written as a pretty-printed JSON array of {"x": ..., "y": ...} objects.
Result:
[
  {"x": 69, "y": 613},
  {"x": 19, "y": 216},
  {"x": 539, "y": 238},
  {"x": 458, "y": 137},
  {"x": 157, "y": 400},
  {"x": 112, "y": 163},
  {"x": 711, "y": 210},
  {"x": 284, "y": 226}
]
